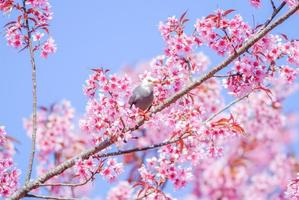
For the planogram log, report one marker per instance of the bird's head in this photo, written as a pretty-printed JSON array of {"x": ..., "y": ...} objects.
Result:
[{"x": 149, "y": 81}]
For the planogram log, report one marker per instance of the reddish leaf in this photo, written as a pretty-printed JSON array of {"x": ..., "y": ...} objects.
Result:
[
  {"x": 268, "y": 91},
  {"x": 184, "y": 21},
  {"x": 43, "y": 108},
  {"x": 97, "y": 70},
  {"x": 181, "y": 145},
  {"x": 137, "y": 184},
  {"x": 46, "y": 29},
  {"x": 10, "y": 23},
  {"x": 19, "y": 19},
  {"x": 210, "y": 16},
  {"x": 139, "y": 193},
  {"x": 238, "y": 129},
  {"x": 284, "y": 36},
  {"x": 221, "y": 122},
  {"x": 228, "y": 12},
  {"x": 183, "y": 16}
]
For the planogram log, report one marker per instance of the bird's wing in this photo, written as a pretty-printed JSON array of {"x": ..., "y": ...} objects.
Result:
[
  {"x": 134, "y": 96},
  {"x": 132, "y": 99}
]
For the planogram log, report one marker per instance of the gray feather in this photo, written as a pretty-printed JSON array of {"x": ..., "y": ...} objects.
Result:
[{"x": 141, "y": 98}]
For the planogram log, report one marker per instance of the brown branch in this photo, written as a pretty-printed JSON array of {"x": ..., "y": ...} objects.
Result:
[
  {"x": 117, "y": 153},
  {"x": 69, "y": 163},
  {"x": 47, "y": 197},
  {"x": 34, "y": 96},
  {"x": 72, "y": 184},
  {"x": 227, "y": 76},
  {"x": 67, "y": 184},
  {"x": 275, "y": 12}
]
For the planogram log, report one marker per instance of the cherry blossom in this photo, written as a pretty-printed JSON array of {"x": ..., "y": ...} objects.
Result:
[
  {"x": 293, "y": 190},
  {"x": 9, "y": 174},
  {"x": 255, "y": 3},
  {"x": 48, "y": 48},
  {"x": 31, "y": 21},
  {"x": 122, "y": 191},
  {"x": 197, "y": 140}
]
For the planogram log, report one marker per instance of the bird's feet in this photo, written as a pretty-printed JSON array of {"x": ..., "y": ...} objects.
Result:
[{"x": 144, "y": 114}]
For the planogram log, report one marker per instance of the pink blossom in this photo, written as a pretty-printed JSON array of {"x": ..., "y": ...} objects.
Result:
[
  {"x": 292, "y": 191},
  {"x": 112, "y": 170},
  {"x": 14, "y": 37},
  {"x": 48, "y": 47},
  {"x": 37, "y": 3},
  {"x": 123, "y": 191},
  {"x": 6, "y": 5},
  {"x": 37, "y": 36},
  {"x": 289, "y": 74},
  {"x": 9, "y": 175},
  {"x": 85, "y": 168},
  {"x": 256, "y": 3}
]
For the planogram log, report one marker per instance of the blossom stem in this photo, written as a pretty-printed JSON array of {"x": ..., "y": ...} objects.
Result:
[{"x": 34, "y": 95}]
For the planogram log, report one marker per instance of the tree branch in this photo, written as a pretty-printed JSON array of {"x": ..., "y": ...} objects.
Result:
[
  {"x": 71, "y": 184},
  {"x": 47, "y": 197},
  {"x": 69, "y": 163},
  {"x": 228, "y": 106},
  {"x": 275, "y": 12},
  {"x": 34, "y": 96}
]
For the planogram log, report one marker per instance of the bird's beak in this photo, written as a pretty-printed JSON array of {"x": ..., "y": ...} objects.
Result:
[{"x": 155, "y": 81}]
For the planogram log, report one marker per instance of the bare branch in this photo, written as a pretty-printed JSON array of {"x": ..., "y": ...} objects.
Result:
[
  {"x": 273, "y": 5},
  {"x": 226, "y": 76},
  {"x": 117, "y": 153},
  {"x": 67, "y": 184},
  {"x": 84, "y": 155},
  {"x": 228, "y": 106},
  {"x": 34, "y": 96},
  {"x": 71, "y": 184},
  {"x": 47, "y": 197},
  {"x": 274, "y": 13}
]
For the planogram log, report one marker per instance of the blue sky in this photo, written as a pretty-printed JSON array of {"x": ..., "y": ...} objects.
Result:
[{"x": 107, "y": 34}]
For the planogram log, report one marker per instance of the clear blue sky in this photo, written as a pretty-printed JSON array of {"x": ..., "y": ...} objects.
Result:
[{"x": 100, "y": 33}]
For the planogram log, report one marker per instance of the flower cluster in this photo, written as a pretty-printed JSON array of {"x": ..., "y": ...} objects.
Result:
[
  {"x": 32, "y": 21},
  {"x": 122, "y": 191},
  {"x": 292, "y": 192},
  {"x": 57, "y": 141},
  {"x": 85, "y": 168},
  {"x": 9, "y": 175},
  {"x": 112, "y": 170},
  {"x": 221, "y": 34},
  {"x": 257, "y": 3}
]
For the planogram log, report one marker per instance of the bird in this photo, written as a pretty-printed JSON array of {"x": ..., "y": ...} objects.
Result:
[{"x": 143, "y": 95}]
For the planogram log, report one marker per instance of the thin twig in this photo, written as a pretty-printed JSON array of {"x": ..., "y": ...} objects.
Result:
[
  {"x": 48, "y": 197},
  {"x": 226, "y": 76},
  {"x": 227, "y": 107},
  {"x": 275, "y": 12},
  {"x": 68, "y": 184},
  {"x": 34, "y": 96},
  {"x": 273, "y": 5},
  {"x": 84, "y": 155},
  {"x": 117, "y": 153}
]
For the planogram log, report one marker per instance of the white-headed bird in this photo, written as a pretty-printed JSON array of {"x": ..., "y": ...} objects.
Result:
[{"x": 143, "y": 94}]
